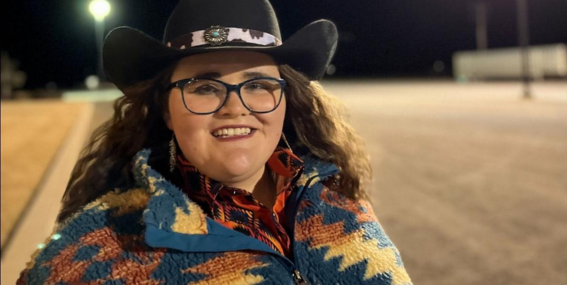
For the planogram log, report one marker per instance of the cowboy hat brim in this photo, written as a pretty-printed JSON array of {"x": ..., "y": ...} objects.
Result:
[{"x": 130, "y": 56}]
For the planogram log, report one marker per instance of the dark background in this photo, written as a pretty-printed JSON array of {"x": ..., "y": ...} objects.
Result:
[{"x": 54, "y": 40}]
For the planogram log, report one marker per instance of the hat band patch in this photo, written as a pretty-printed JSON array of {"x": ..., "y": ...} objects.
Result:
[{"x": 217, "y": 35}]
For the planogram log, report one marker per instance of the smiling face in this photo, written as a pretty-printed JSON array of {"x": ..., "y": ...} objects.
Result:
[{"x": 236, "y": 161}]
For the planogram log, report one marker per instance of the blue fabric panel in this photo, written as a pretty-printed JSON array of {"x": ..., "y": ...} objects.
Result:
[{"x": 219, "y": 239}]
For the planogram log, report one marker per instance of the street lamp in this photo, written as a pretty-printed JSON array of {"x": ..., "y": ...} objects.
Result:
[{"x": 99, "y": 9}]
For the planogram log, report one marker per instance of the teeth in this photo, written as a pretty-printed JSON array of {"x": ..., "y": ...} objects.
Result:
[{"x": 232, "y": 132}]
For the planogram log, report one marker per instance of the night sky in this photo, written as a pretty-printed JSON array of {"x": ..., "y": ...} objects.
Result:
[{"x": 54, "y": 39}]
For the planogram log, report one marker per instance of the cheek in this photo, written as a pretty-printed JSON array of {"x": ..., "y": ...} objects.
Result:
[
  {"x": 273, "y": 122},
  {"x": 280, "y": 113},
  {"x": 189, "y": 129},
  {"x": 192, "y": 139}
]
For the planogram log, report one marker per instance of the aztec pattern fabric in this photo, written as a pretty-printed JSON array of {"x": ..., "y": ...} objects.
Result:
[
  {"x": 236, "y": 208},
  {"x": 153, "y": 234}
]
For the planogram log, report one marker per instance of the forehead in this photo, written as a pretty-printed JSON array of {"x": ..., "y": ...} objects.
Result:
[{"x": 225, "y": 63}]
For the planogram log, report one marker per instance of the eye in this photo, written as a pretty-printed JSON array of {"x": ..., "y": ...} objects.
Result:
[
  {"x": 206, "y": 89},
  {"x": 255, "y": 86},
  {"x": 261, "y": 85}
]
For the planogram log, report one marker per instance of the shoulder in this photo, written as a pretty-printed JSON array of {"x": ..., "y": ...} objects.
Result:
[
  {"x": 109, "y": 209},
  {"x": 98, "y": 233},
  {"x": 339, "y": 233}
]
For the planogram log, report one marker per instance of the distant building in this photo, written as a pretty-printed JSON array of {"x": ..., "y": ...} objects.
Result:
[{"x": 545, "y": 61}]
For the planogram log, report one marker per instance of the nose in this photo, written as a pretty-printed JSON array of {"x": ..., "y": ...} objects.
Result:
[{"x": 233, "y": 106}]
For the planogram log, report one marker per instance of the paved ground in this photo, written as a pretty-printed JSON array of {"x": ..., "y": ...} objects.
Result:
[
  {"x": 32, "y": 132},
  {"x": 470, "y": 181},
  {"x": 36, "y": 223}
]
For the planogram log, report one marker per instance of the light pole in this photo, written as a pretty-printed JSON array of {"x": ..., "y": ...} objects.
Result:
[
  {"x": 99, "y": 9},
  {"x": 481, "y": 20},
  {"x": 524, "y": 42}
]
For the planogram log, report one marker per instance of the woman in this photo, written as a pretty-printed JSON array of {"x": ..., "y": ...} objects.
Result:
[{"x": 225, "y": 163}]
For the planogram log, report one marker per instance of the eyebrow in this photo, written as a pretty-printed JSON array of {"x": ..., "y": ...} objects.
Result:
[
  {"x": 214, "y": 75},
  {"x": 247, "y": 75},
  {"x": 255, "y": 74}
]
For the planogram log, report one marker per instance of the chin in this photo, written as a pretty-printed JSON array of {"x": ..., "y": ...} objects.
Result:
[{"x": 239, "y": 166}]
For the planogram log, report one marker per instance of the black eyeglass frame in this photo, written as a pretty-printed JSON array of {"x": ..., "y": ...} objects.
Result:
[{"x": 229, "y": 88}]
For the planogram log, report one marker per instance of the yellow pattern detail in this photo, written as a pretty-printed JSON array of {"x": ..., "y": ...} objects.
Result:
[
  {"x": 353, "y": 248},
  {"x": 305, "y": 177},
  {"x": 152, "y": 184},
  {"x": 127, "y": 202},
  {"x": 193, "y": 223},
  {"x": 380, "y": 260}
]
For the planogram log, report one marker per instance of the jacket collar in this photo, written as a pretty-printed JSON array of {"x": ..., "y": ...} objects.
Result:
[{"x": 174, "y": 221}]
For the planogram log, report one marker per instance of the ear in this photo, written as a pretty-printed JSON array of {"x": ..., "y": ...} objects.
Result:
[{"x": 167, "y": 119}]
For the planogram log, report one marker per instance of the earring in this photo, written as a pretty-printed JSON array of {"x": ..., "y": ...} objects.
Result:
[
  {"x": 286, "y": 143},
  {"x": 172, "y": 153}
]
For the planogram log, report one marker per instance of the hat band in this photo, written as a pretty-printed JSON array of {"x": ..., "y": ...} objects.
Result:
[{"x": 217, "y": 35}]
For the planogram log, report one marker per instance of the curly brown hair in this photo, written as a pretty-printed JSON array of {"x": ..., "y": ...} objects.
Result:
[{"x": 315, "y": 123}]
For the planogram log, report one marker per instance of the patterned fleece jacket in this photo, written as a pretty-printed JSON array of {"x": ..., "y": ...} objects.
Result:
[{"x": 153, "y": 234}]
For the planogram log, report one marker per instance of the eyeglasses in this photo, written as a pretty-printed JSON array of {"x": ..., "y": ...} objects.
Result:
[{"x": 204, "y": 96}]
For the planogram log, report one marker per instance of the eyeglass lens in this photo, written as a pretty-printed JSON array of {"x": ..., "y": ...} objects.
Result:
[{"x": 203, "y": 95}]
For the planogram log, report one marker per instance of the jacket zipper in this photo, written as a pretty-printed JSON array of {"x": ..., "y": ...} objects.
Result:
[
  {"x": 297, "y": 277},
  {"x": 301, "y": 195},
  {"x": 295, "y": 274}
]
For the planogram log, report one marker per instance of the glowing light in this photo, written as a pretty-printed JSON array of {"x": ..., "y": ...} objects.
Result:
[
  {"x": 55, "y": 236},
  {"x": 100, "y": 9},
  {"x": 41, "y": 245},
  {"x": 92, "y": 82},
  {"x": 331, "y": 69},
  {"x": 438, "y": 66}
]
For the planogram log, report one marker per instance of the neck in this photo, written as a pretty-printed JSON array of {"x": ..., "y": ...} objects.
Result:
[
  {"x": 265, "y": 190},
  {"x": 261, "y": 185},
  {"x": 249, "y": 184}
]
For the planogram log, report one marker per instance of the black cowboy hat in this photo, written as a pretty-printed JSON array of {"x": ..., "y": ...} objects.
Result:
[{"x": 199, "y": 26}]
